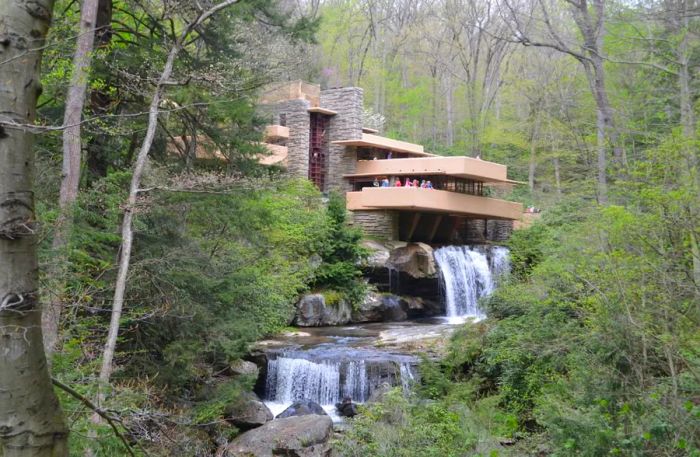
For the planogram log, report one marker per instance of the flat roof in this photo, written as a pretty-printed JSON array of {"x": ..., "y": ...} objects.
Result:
[
  {"x": 316, "y": 109},
  {"x": 375, "y": 141}
]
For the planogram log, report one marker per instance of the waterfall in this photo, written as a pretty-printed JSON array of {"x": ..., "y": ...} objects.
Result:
[
  {"x": 467, "y": 274},
  {"x": 326, "y": 376}
]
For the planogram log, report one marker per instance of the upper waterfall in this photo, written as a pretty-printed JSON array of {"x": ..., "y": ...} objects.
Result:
[{"x": 467, "y": 274}]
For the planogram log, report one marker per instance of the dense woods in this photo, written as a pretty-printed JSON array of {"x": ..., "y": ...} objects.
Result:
[{"x": 134, "y": 213}]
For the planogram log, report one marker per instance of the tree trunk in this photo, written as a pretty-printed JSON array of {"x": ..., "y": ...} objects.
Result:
[
  {"x": 605, "y": 125},
  {"x": 533, "y": 152},
  {"x": 75, "y": 100},
  {"x": 449, "y": 112},
  {"x": 127, "y": 230},
  {"x": 31, "y": 420},
  {"x": 557, "y": 177},
  {"x": 688, "y": 126},
  {"x": 97, "y": 162}
]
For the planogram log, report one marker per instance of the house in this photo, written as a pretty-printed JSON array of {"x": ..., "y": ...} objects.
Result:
[{"x": 319, "y": 134}]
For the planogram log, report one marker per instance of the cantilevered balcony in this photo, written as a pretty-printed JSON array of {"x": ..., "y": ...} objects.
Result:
[
  {"x": 369, "y": 140},
  {"x": 432, "y": 201},
  {"x": 276, "y": 133},
  {"x": 460, "y": 167}
]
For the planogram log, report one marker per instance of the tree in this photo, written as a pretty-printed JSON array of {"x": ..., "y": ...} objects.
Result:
[
  {"x": 70, "y": 178},
  {"x": 31, "y": 420},
  {"x": 590, "y": 20},
  {"x": 127, "y": 230}
]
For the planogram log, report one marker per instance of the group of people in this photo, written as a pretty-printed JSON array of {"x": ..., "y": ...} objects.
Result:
[{"x": 423, "y": 184}]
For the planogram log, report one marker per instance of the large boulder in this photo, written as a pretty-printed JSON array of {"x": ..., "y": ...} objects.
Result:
[
  {"x": 247, "y": 412},
  {"x": 314, "y": 311},
  {"x": 379, "y": 308},
  {"x": 302, "y": 408},
  {"x": 414, "y": 259},
  {"x": 244, "y": 368},
  {"x": 305, "y": 436},
  {"x": 379, "y": 254}
]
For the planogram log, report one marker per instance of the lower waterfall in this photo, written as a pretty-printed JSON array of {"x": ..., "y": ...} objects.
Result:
[
  {"x": 467, "y": 274},
  {"x": 327, "y": 375}
]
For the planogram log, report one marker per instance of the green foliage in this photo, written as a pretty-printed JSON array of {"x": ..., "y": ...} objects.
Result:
[
  {"x": 222, "y": 271},
  {"x": 398, "y": 427},
  {"x": 341, "y": 253}
]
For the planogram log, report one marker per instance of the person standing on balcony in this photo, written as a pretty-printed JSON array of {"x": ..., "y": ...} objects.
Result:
[
  {"x": 408, "y": 183},
  {"x": 398, "y": 182},
  {"x": 389, "y": 155},
  {"x": 429, "y": 185},
  {"x": 415, "y": 183},
  {"x": 385, "y": 182}
]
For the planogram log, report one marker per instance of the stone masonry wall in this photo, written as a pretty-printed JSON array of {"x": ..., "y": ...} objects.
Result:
[
  {"x": 481, "y": 231},
  {"x": 346, "y": 125},
  {"x": 497, "y": 230},
  {"x": 298, "y": 121},
  {"x": 379, "y": 224}
]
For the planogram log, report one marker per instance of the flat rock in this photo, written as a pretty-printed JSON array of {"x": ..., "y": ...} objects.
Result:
[{"x": 304, "y": 436}]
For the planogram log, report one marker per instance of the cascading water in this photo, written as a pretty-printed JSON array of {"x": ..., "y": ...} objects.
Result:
[
  {"x": 467, "y": 274},
  {"x": 326, "y": 375}
]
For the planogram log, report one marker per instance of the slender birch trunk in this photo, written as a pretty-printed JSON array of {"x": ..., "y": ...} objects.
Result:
[
  {"x": 557, "y": 177},
  {"x": 31, "y": 420},
  {"x": 70, "y": 180},
  {"x": 127, "y": 230},
  {"x": 533, "y": 152}
]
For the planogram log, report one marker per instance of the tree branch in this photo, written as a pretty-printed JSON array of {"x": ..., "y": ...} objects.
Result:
[{"x": 73, "y": 393}]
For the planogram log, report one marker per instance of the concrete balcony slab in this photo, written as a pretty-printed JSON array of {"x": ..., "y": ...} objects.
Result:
[{"x": 432, "y": 201}]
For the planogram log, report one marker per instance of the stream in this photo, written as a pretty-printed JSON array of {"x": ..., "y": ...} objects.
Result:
[{"x": 326, "y": 364}]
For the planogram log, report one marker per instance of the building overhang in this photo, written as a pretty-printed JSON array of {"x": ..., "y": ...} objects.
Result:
[
  {"x": 369, "y": 140},
  {"x": 432, "y": 201},
  {"x": 276, "y": 132},
  {"x": 327, "y": 112},
  {"x": 460, "y": 167},
  {"x": 277, "y": 155}
]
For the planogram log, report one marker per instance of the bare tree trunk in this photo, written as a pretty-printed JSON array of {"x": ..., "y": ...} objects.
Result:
[
  {"x": 31, "y": 420},
  {"x": 688, "y": 125},
  {"x": 557, "y": 177},
  {"x": 449, "y": 112},
  {"x": 127, "y": 231},
  {"x": 70, "y": 180},
  {"x": 533, "y": 152},
  {"x": 605, "y": 127}
]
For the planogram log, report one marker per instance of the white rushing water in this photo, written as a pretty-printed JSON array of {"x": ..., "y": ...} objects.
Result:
[
  {"x": 327, "y": 377},
  {"x": 467, "y": 274}
]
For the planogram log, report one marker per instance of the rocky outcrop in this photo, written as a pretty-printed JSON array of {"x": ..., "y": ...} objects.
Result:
[
  {"x": 244, "y": 368},
  {"x": 248, "y": 412},
  {"x": 305, "y": 436},
  {"x": 379, "y": 307},
  {"x": 346, "y": 408},
  {"x": 302, "y": 408},
  {"x": 313, "y": 311},
  {"x": 414, "y": 259}
]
